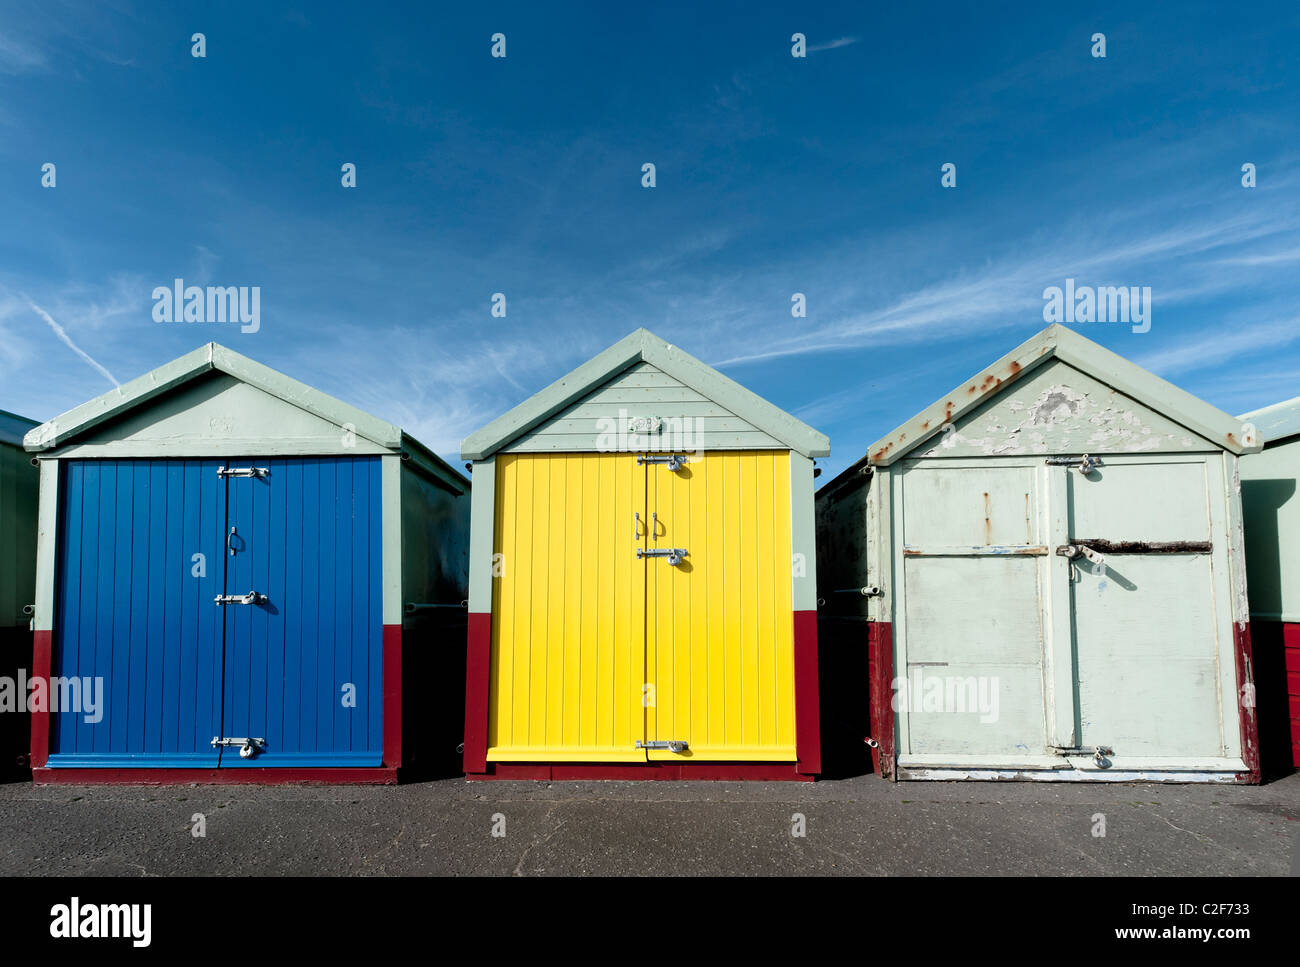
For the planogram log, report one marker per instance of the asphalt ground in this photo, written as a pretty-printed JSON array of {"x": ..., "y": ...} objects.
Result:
[{"x": 862, "y": 826}]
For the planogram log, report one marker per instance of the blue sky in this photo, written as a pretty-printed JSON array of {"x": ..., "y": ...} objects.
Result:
[{"x": 522, "y": 175}]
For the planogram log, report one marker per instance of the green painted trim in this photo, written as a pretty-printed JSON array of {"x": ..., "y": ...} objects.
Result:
[
  {"x": 14, "y": 427},
  {"x": 803, "y": 532},
  {"x": 482, "y": 523},
  {"x": 433, "y": 466},
  {"x": 64, "y": 428},
  {"x": 644, "y": 346},
  {"x": 224, "y": 447},
  {"x": 1058, "y": 342},
  {"x": 1277, "y": 422},
  {"x": 390, "y": 475},
  {"x": 47, "y": 546}
]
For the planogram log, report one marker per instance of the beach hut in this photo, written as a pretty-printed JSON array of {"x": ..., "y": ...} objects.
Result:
[
  {"x": 642, "y": 578},
  {"x": 18, "y": 485},
  {"x": 1047, "y": 565},
  {"x": 1272, "y": 512},
  {"x": 224, "y": 560}
]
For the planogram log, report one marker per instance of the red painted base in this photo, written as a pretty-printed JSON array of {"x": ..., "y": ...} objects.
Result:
[
  {"x": 380, "y": 775},
  {"x": 1246, "y": 702},
  {"x": 1291, "y": 644},
  {"x": 710, "y": 771},
  {"x": 880, "y": 671}
]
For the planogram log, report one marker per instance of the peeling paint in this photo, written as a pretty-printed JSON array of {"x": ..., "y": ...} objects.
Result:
[{"x": 1061, "y": 419}]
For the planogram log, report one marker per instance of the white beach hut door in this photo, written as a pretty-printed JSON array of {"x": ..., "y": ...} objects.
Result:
[
  {"x": 973, "y": 688},
  {"x": 1151, "y": 638}
]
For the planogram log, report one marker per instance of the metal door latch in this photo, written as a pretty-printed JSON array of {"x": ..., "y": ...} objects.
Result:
[
  {"x": 674, "y": 554},
  {"x": 247, "y": 747},
  {"x": 672, "y": 745},
  {"x": 252, "y": 597},
  {"x": 1100, "y": 754},
  {"x": 1081, "y": 550},
  {"x": 673, "y": 461},
  {"x": 242, "y": 471},
  {"x": 1086, "y": 463}
]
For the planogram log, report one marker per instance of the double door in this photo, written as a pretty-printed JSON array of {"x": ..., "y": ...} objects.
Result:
[
  {"x": 225, "y": 612},
  {"x": 642, "y": 608},
  {"x": 1054, "y": 615}
]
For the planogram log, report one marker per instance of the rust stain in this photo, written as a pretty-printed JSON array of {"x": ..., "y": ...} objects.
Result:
[
  {"x": 988, "y": 524},
  {"x": 1014, "y": 367},
  {"x": 925, "y": 425}
]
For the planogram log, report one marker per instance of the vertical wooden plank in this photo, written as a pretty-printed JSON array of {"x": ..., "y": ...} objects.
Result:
[
  {"x": 1058, "y": 626},
  {"x": 573, "y": 567},
  {"x": 713, "y": 466},
  {"x": 769, "y": 570},
  {"x": 702, "y": 649},
  {"x": 295, "y": 602},
  {"x": 603, "y": 534},
  {"x": 782, "y": 538},
  {"x": 589, "y": 656}
]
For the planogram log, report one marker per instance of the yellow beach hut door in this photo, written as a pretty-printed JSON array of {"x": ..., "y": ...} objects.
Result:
[
  {"x": 607, "y": 646},
  {"x": 568, "y": 605},
  {"x": 720, "y": 624}
]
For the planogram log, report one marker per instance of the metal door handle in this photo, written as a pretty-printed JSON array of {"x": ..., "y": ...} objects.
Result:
[
  {"x": 1086, "y": 463},
  {"x": 672, "y": 745},
  {"x": 672, "y": 461},
  {"x": 674, "y": 554},
  {"x": 636, "y": 526},
  {"x": 252, "y": 597},
  {"x": 242, "y": 471},
  {"x": 230, "y": 538},
  {"x": 247, "y": 747}
]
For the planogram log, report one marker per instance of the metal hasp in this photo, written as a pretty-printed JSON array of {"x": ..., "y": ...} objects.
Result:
[
  {"x": 674, "y": 461},
  {"x": 1137, "y": 547},
  {"x": 252, "y": 597},
  {"x": 1086, "y": 463},
  {"x": 674, "y": 554},
  {"x": 1081, "y": 550},
  {"x": 672, "y": 745},
  {"x": 247, "y": 747},
  {"x": 242, "y": 471},
  {"x": 1100, "y": 753}
]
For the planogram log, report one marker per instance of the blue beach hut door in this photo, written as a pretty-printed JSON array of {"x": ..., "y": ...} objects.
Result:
[{"x": 203, "y": 600}]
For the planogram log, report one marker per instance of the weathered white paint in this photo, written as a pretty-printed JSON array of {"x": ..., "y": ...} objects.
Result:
[{"x": 1058, "y": 409}]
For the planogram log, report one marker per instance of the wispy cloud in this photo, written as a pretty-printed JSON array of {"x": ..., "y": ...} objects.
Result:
[
  {"x": 67, "y": 341},
  {"x": 832, "y": 45},
  {"x": 19, "y": 56}
]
